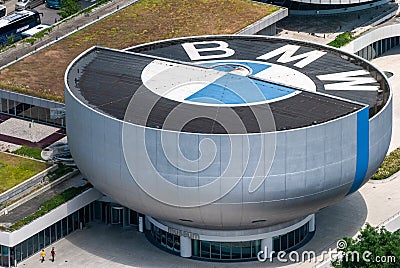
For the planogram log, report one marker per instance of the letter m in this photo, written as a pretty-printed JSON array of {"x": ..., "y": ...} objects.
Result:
[{"x": 288, "y": 52}]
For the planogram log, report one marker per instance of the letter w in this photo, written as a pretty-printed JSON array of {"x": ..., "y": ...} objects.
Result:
[{"x": 349, "y": 81}]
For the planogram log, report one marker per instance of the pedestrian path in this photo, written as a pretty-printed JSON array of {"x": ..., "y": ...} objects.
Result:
[
  {"x": 324, "y": 29},
  {"x": 33, "y": 204}
]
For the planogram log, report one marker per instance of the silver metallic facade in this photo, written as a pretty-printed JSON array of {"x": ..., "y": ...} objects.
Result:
[{"x": 313, "y": 167}]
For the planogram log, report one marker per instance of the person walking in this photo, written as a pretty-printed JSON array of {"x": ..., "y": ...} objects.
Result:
[
  {"x": 53, "y": 253},
  {"x": 42, "y": 255}
]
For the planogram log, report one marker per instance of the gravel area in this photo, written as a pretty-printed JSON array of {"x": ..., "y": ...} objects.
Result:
[{"x": 8, "y": 147}]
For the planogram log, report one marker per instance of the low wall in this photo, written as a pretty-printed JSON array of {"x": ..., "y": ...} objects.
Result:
[
  {"x": 372, "y": 37},
  {"x": 25, "y": 186},
  {"x": 62, "y": 211},
  {"x": 265, "y": 22}
]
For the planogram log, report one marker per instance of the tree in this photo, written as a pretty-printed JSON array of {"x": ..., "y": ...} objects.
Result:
[
  {"x": 376, "y": 248},
  {"x": 69, "y": 7}
]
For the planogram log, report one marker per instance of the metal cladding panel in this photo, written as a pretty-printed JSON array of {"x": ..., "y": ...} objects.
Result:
[
  {"x": 279, "y": 164},
  {"x": 275, "y": 187},
  {"x": 299, "y": 193},
  {"x": 315, "y": 149},
  {"x": 380, "y": 133},
  {"x": 210, "y": 179},
  {"x": 295, "y": 149},
  {"x": 333, "y": 138}
]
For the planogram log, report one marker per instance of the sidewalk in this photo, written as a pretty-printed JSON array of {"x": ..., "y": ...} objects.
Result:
[
  {"x": 324, "y": 28},
  {"x": 33, "y": 205}
]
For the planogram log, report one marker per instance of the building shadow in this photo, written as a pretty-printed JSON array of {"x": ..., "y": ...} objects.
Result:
[{"x": 129, "y": 247}]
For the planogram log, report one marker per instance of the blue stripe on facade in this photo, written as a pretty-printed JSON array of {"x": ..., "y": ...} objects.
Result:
[{"x": 362, "y": 149}]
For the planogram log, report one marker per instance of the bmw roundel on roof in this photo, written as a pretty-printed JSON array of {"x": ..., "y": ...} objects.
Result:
[{"x": 301, "y": 84}]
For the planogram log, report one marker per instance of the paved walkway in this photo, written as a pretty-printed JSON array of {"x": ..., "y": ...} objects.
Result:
[
  {"x": 33, "y": 205},
  {"x": 108, "y": 246},
  {"x": 324, "y": 28}
]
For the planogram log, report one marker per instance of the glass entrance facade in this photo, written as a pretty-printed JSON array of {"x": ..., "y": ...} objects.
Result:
[
  {"x": 48, "y": 236},
  {"x": 226, "y": 250},
  {"x": 166, "y": 240},
  {"x": 290, "y": 240}
]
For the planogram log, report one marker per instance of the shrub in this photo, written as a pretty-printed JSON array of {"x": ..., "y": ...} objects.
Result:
[
  {"x": 390, "y": 165},
  {"x": 59, "y": 172},
  {"x": 51, "y": 204},
  {"x": 342, "y": 39}
]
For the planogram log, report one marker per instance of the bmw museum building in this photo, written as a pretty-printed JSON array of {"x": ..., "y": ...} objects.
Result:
[{"x": 228, "y": 145}]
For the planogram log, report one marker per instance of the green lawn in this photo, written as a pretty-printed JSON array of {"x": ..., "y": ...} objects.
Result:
[
  {"x": 14, "y": 170},
  {"x": 390, "y": 165},
  {"x": 29, "y": 152}
]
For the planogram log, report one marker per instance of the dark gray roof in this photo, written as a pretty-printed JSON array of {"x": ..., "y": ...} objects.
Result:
[{"x": 107, "y": 79}]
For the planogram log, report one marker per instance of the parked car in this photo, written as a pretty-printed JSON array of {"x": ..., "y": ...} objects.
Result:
[
  {"x": 3, "y": 11},
  {"x": 27, "y": 4}
]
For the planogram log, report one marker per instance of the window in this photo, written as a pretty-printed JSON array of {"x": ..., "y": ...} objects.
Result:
[
  {"x": 276, "y": 244},
  {"x": 236, "y": 251},
  {"x": 205, "y": 249},
  {"x": 58, "y": 230},
  {"x": 70, "y": 225},
  {"x": 133, "y": 217},
  {"x": 195, "y": 248},
  {"x": 215, "y": 250},
  {"x": 284, "y": 244},
  {"x": 53, "y": 236},
  {"x": 30, "y": 246},
  {"x": 291, "y": 239},
  {"x": 35, "y": 243},
  {"x": 41, "y": 239},
  {"x": 226, "y": 251},
  {"x": 177, "y": 243},
  {"x": 64, "y": 227},
  {"x": 256, "y": 247},
  {"x": 246, "y": 249},
  {"x": 47, "y": 236}
]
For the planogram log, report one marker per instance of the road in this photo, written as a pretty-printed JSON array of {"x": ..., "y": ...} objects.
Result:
[{"x": 49, "y": 16}]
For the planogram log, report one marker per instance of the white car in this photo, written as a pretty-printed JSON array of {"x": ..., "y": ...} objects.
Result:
[{"x": 27, "y": 4}]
